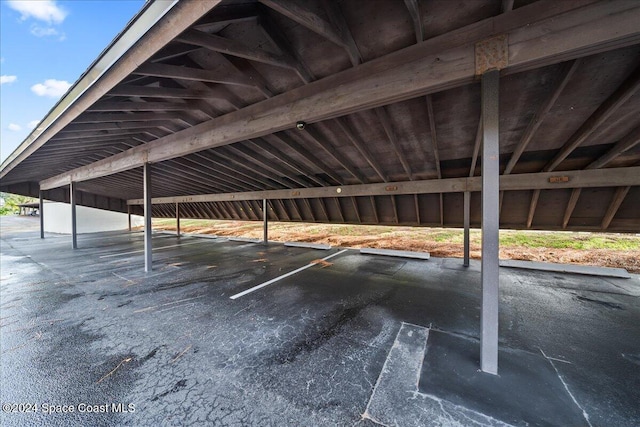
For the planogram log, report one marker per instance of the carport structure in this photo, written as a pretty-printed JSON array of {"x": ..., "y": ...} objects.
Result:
[{"x": 500, "y": 114}]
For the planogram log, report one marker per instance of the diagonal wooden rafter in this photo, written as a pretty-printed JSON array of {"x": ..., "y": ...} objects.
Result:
[
  {"x": 618, "y": 198},
  {"x": 189, "y": 73},
  {"x": 385, "y": 121},
  {"x": 332, "y": 8},
  {"x": 234, "y": 48},
  {"x": 311, "y": 20},
  {"x": 361, "y": 147},
  {"x": 625, "y": 91},
  {"x": 331, "y": 151},
  {"x": 436, "y": 154},
  {"x": 626, "y": 143},
  {"x": 278, "y": 39},
  {"x": 416, "y": 18},
  {"x": 628, "y": 88}
]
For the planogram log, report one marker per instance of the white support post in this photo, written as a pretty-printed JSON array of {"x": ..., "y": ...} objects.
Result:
[
  {"x": 467, "y": 207},
  {"x": 178, "y": 219},
  {"x": 148, "y": 255},
  {"x": 490, "y": 222},
  {"x": 41, "y": 209},
  {"x": 74, "y": 230},
  {"x": 265, "y": 220}
]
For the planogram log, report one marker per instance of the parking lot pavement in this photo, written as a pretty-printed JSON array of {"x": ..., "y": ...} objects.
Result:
[{"x": 355, "y": 340}]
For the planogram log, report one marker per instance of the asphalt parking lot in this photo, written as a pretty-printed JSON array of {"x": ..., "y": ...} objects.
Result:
[{"x": 357, "y": 339}]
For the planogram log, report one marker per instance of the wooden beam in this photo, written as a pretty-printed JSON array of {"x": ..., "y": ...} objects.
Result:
[
  {"x": 416, "y": 18},
  {"x": 124, "y": 117},
  {"x": 306, "y": 18},
  {"x": 476, "y": 148},
  {"x": 308, "y": 205},
  {"x": 94, "y": 127},
  {"x": 434, "y": 138},
  {"x": 332, "y": 152},
  {"x": 431, "y": 66},
  {"x": 234, "y": 48},
  {"x": 507, "y": 6},
  {"x": 356, "y": 209},
  {"x": 618, "y": 198},
  {"x": 289, "y": 161},
  {"x": 573, "y": 200},
  {"x": 532, "y": 207},
  {"x": 417, "y": 207},
  {"x": 163, "y": 92},
  {"x": 278, "y": 39},
  {"x": 611, "y": 177},
  {"x": 630, "y": 86},
  {"x": 361, "y": 147},
  {"x": 340, "y": 24},
  {"x": 308, "y": 155},
  {"x": 395, "y": 209},
  {"x": 105, "y": 106},
  {"x": 566, "y": 73},
  {"x": 385, "y": 121},
  {"x": 188, "y": 73},
  {"x": 626, "y": 143},
  {"x": 335, "y": 199}
]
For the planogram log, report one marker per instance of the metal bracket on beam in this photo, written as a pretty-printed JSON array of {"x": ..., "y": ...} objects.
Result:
[{"x": 492, "y": 54}]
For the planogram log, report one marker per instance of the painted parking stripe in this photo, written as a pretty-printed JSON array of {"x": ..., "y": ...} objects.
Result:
[
  {"x": 154, "y": 249},
  {"x": 291, "y": 273}
]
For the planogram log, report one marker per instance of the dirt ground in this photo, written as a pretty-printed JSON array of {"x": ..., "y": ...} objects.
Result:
[{"x": 529, "y": 245}]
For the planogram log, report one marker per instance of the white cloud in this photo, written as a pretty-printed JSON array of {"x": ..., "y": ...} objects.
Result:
[
  {"x": 40, "y": 31},
  {"x": 51, "y": 87},
  {"x": 7, "y": 79},
  {"x": 33, "y": 123},
  {"x": 42, "y": 10},
  {"x": 14, "y": 127}
]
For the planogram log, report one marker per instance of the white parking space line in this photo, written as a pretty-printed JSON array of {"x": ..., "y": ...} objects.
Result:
[
  {"x": 154, "y": 249},
  {"x": 291, "y": 273}
]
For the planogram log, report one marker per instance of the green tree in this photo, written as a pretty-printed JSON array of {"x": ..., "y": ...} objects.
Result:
[{"x": 11, "y": 202}]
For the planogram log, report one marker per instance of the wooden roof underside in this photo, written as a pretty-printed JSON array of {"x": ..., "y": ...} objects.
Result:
[{"x": 580, "y": 114}]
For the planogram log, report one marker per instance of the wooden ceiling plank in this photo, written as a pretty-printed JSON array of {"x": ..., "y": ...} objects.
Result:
[{"x": 626, "y": 143}]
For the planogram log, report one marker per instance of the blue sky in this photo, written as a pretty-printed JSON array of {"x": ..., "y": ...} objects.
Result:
[{"x": 45, "y": 46}]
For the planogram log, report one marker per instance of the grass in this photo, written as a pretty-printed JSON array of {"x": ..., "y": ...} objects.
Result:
[{"x": 508, "y": 238}]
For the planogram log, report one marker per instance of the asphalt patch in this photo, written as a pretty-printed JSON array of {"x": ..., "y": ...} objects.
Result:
[{"x": 527, "y": 390}]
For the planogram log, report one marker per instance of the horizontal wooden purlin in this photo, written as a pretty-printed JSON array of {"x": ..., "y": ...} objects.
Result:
[
  {"x": 187, "y": 73},
  {"x": 92, "y": 127},
  {"x": 141, "y": 106},
  {"x": 163, "y": 92},
  {"x": 531, "y": 181},
  {"x": 437, "y": 64},
  {"x": 125, "y": 117}
]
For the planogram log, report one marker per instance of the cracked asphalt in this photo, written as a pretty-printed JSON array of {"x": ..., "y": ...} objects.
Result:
[{"x": 90, "y": 327}]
